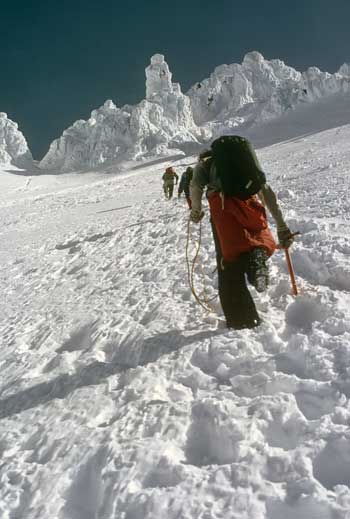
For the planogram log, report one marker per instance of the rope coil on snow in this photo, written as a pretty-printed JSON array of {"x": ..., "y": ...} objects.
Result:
[{"x": 203, "y": 302}]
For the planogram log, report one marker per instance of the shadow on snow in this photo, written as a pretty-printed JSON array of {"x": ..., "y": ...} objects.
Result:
[{"x": 96, "y": 373}]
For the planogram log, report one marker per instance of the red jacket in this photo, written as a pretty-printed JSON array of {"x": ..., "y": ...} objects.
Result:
[{"x": 241, "y": 225}]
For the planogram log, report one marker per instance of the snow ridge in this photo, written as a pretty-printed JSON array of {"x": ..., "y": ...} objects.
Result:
[
  {"x": 13, "y": 146},
  {"x": 233, "y": 96},
  {"x": 259, "y": 90},
  {"x": 167, "y": 122}
]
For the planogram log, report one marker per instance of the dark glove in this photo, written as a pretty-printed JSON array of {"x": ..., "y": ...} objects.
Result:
[
  {"x": 285, "y": 238},
  {"x": 196, "y": 216}
]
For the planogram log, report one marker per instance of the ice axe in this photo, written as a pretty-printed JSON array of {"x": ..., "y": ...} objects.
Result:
[{"x": 290, "y": 266}]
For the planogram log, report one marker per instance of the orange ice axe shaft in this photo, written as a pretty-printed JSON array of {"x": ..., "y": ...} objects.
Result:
[
  {"x": 290, "y": 268},
  {"x": 291, "y": 273}
]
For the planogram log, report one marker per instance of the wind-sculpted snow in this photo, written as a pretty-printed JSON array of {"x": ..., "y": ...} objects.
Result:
[
  {"x": 13, "y": 146},
  {"x": 121, "y": 398},
  {"x": 259, "y": 90},
  {"x": 251, "y": 92},
  {"x": 233, "y": 98},
  {"x": 156, "y": 126}
]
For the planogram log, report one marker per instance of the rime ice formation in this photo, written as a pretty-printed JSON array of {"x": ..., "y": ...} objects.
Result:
[
  {"x": 13, "y": 146},
  {"x": 345, "y": 71},
  {"x": 319, "y": 84},
  {"x": 156, "y": 126},
  {"x": 259, "y": 90},
  {"x": 158, "y": 77},
  {"x": 236, "y": 95},
  {"x": 98, "y": 140}
]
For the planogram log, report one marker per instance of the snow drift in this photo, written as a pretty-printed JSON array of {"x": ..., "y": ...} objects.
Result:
[{"x": 13, "y": 146}]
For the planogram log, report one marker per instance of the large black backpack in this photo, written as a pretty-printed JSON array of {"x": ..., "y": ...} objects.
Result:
[{"x": 237, "y": 166}]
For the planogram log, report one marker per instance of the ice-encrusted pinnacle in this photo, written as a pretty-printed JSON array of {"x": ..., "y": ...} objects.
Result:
[
  {"x": 158, "y": 77},
  {"x": 160, "y": 123},
  {"x": 253, "y": 57},
  {"x": 13, "y": 146},
  {"x": 344, "y": 70}
]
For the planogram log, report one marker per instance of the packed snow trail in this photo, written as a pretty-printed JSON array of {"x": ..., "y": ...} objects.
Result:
[{"x": 120, "y": 398}]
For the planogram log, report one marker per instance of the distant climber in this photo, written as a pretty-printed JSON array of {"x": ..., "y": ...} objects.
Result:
[
  {"x": 184, "y": 185},
  {"x": 243, "y": 241},
  {"x": 169, "y": 179}
]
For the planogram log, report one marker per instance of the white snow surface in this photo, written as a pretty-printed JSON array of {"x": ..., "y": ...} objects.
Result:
[
  {"x": 13, "y": 146},
  {"x": 234, "y": 98},
  {"x": 121, "y": 398}
]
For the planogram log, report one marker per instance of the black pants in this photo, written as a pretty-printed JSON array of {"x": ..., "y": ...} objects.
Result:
[{"x": 236, "y": 301}]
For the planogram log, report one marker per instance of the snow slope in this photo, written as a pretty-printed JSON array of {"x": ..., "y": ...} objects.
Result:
[
  {"x": 234, "y": 98},
  {"x": 121, "y": 399}
]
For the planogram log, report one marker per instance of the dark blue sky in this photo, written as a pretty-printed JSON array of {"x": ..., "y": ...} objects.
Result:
[{"x": 61, "y": 59}]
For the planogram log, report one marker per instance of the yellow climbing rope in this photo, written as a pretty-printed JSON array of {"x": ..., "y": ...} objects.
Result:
[{"x": 204, "y": 302}]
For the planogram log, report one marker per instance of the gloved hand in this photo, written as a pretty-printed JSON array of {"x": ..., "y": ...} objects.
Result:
[
  {"x": 196, "y": 215},
  {"x": 285, "y": 238}
]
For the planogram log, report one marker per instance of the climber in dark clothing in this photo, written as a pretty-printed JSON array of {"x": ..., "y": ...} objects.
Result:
[
  {"x": 169, "y": 178},
  {"x": 184, "y": 186}
]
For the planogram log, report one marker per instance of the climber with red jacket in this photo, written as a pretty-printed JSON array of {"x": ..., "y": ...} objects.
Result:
[{"x": 237, "y": 192}]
